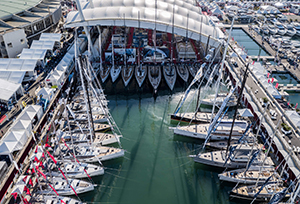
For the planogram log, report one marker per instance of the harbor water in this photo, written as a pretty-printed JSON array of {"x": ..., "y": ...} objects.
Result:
[{"x": 156, "y": 167}]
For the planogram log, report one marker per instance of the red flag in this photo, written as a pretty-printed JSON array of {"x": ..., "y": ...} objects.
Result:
[
  {"x": 276, "y": 86},
  {"x": 36, "y": 149},
  {"x": 47, "y": 145},
  {"x": 41, "y": 165},
  {"x": 268, "y": 80},
  {"x": 52, "y": 157},
  {"x": 27, "y": 190},
  {"x": 30, "y": 182},
  {"x": 232, "y": 39},
  {"x": 36, "y": 160},
  {"x": 43, "y": 155},
  {"x": 253, "y": 62},
  {"x": 45, "y": 177},
  {"x": 15, "y": 195},
  {"x": 272, "y": 80},
  {"x": 33, "y": 171},
  {"x": 62, "y": 201},
  {"x": 288, "y": 103},
  {"x": 24, "y": 179},
  {"x": 268, "y": 75},
  {"x": 296, "y": 105}
]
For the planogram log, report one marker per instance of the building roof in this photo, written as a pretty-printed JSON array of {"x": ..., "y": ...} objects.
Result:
[
  {"x": 16, "y": 64},
  {"x": 50, "y": 37},
  {"x": 33, "y": 53},
  {"x": 111, "y": 13},
  {"x": 48, "y": 45},
  {"x": 9, "y": 7},
  {"x": 13, "y": 76},
  {"x": 8, "y": 89}
]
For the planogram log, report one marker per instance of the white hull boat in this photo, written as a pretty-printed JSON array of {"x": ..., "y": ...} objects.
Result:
[
  {"x": 63, "y": 189},
  {"x": 170, "y": 75},
  {"x": 104, "y": 72},
  {"x": 199, "y": 117},
  {"x": 140, "y": 74},
  {"x": 127, "y": 73},
  {"x": 183, "y": 72},
  {"x": 115, "y": 72},
  {"x": 154, "y": 75},
  {"x": 100, "y": 138}
]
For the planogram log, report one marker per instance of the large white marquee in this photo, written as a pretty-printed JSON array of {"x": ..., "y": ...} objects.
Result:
[{"x": 187, "y": 16}]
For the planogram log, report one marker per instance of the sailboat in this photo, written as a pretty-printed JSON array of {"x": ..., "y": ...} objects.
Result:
[
  {"x": 239, "y": 159},
  {"x": 221, "y": 132},
  {"x": 74, "y": 169},
  {"x": 140, "y": 74},
  {"x": 48, "y": 199},
  {"x": 169, "y": 71},
  {"x": 99, "y": 139},
  {"x": 198, "y": 117},
  {"x": 90, "y": 154},
  {"x": 182, "y": 71},
  {"x": 254, "y": 175},
  {"x": 266, "y": 192},
  {"x": 154, "y": 75},
  {"x": 115, "y": 69},
  {"x": 82, "y": 118},
  {"x": 62, "y": 186},
  {"x": 127, "y": 74},
  {"x": 104, "y": 72},
  {"x": 194, "y": 68},
  {"x": 210, "y": 100}
]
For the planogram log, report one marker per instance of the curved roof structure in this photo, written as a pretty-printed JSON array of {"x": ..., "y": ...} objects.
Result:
[
  {"x": 114, "y": 12},
  {"x": 9, "y": 7}
]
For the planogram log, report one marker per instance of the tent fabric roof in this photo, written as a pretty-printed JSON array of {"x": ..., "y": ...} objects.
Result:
[
  {"x": 12, "y": 76},
  {"x": 50, "y": 37},
  {"x": 8, "y": 89},
  {"x": 16, "y": 136},
  {"x": 294, "y": 116},
  {"x": 16, "y": 64},
  {"x": 33, "y": 53},
  {"x": 112, "y": 12},
  {"x": 245, "y": 112},
  {"x": 47, "y": 45}
]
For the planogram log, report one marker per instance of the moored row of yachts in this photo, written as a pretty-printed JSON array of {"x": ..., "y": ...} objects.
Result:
[
  {"x": 83, "y": 135},
  {"x": 154, "y": 71}
]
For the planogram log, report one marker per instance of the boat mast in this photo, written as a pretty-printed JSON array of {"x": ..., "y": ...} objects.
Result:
[
  {"x": 154, "y": 34},
  {"x": 237, "y": 105},
  {"x": 112, "y": 52},
  {"x": 186, "y": 35},
  {"x": 100, "y": 45},
  {"x": 221, "y": 68},
  {"x": 172, "y": 39},
  {"x": 125, "y": 42},
  {"x": 139, "y": 47}
]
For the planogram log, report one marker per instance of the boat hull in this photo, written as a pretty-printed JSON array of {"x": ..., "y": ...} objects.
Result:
[
  {"x": 115, "y": 72},
  {"x": 170, "y": 75},
  {"x": 140, "y": 74},
  {"x": 154, "y": 74},
  {"x": 127, "y": 73}
]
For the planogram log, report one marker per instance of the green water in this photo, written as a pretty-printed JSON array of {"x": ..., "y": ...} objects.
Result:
[{"x": 156, "y": 168}]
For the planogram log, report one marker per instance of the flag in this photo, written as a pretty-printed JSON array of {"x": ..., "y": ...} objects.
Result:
[
  {"x": 43, "y": 155},
  {"x": 288, "y": 103},
  {"x": 62, "y": 201},
  {"x": 27, "y": 190},
  {"x": 52, "y": 157},
  {"x": 268, "y": 75},
  {"x": 36, "y": 160},
  {"x": 276, "y": 86},
  {"x": 32, "y": 171},
  {"x": 47, "y": 145},
  {"x": 296, "y": 105},
  {"x": 30, "y": 182},
  {"x": 268, "y": 80},
  {"x": 232, "y": 38},
  {"x": 24, "y": 179},
  {"x": 272, "y": 80},
  {"x": 15, "y": 195},
  {"x": 36, "y": 149},
  {"x": 253, "y": 62}
]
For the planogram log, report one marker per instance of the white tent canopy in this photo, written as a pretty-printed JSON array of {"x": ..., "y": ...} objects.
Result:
[
  {"x": 13, "y": 76},
  {"x": 9, "y": 89},
  {"x": 16, "y": 64},
  {"x": 33, "y": 54},
  {"x": 111, "y": 13},
  {"x": 50, "y": 37},
  {"x": 47, "y": 45},
  {"x": 245, "y": 112},
  {"x": 16, "y": 136},
  {"x": 9, "y": 147},
  {"x": 217, "y": 11},
  {"x": 294, "y": 116},
  {"x": 46, "y": 93},
  {"x": 22, "y": 125}
]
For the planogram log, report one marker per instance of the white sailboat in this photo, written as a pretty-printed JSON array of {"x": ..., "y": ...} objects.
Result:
[
  {"x": 182, "y": 71},
  {"x": 99, "y": 139},
  {"x": 154, "y": 75},
  {"x": 115, "y": 69},
  {"x": 169, "y": 71},
  {"x": 140, "y": 74},
  {"x": 127, "y": 73}
]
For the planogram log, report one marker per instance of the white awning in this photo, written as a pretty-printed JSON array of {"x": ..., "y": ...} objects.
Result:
[
  {"x": 16, "y": 136},
  {"x": 12, "y": 76},
  {"x": 111, "y": 13},
  {"x": 50, "y": 37},
  {"x": 47, "y": 45},
  {"x": 8, "y": 89},
  {"x": 33, "y": 54},
  {"x": 16, "y": 64}
]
